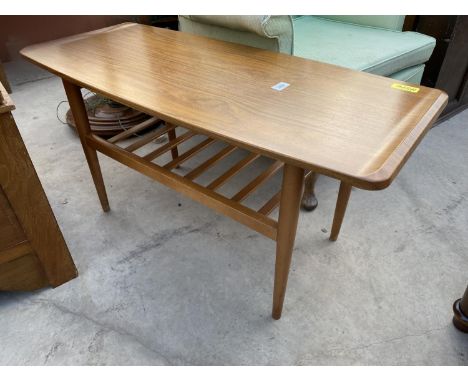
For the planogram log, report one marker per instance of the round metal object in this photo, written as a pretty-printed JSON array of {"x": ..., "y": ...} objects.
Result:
[{"x": 108, "y": 118}]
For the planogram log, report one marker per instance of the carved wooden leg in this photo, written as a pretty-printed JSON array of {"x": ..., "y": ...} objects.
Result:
[
  {"x": 309, "y": 201},
  {"x": 172, "y": 135},
  {"x": 80, "y": 116},
  {"x": 341, "y": 204},
  {"x": 291, "y": 191},
  {"x": 460, "y": 313}
]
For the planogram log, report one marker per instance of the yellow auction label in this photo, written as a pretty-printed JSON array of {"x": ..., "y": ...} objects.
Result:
[{"x": 405, "y": 88}]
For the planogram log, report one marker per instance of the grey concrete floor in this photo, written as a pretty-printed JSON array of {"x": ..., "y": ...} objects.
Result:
[{"x": 167, "y": 284}]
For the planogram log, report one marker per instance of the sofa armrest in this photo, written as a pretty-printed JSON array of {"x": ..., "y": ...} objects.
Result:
[{"x": 257, "y": 31}]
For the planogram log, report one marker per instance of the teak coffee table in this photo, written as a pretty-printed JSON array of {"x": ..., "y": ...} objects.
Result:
[{"x": 353, "y": 126}]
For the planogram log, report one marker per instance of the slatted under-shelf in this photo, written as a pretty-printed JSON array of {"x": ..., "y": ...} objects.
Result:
[{"x": 142, "y": 156}]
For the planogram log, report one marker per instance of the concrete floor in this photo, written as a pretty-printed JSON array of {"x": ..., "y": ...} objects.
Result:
[{"x": 167, "y": 284}]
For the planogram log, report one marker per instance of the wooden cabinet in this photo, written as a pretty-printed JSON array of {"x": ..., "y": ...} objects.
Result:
[
  {"x": 4, "y": 79},
  {"x": 33, "y": 253},
  {"x": 447, "y": 68}
]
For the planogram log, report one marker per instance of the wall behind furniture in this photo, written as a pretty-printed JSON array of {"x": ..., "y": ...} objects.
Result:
[{"x": 17, "y": 32}]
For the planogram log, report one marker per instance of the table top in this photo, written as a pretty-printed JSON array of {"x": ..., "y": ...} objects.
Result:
[{"x": 351, "y": 125}]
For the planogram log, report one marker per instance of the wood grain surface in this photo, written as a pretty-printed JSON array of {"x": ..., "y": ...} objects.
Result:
[
  {"x": 6, "y": 104},
  {"x": 346, "y": 124},
  {"x": 33, "y": 251}
]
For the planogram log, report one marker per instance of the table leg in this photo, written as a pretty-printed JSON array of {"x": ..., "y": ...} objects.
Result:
[
  {"x": 80, "y": 116},
  {"x": 309, "y": 200},
  {"x": 172, "y": 135},
  {"x": 291, "y": 192},
  {"x": 341, "y": 204}
]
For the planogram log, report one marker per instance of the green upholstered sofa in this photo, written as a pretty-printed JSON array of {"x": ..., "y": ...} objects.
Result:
[{"x": 373, "y": 44}]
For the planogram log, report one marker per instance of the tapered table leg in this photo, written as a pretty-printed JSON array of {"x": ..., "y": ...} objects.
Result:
[
  {"x": 80, "y": 116},
  {"x": 341, "y": 204},
  {"x": 172, "y": 135},
  {"x": 460, "y": 313},
  {"x": 291, "y": 193}
]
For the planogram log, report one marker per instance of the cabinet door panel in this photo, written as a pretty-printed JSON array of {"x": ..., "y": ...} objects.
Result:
[{"x": 11, "y": 232}]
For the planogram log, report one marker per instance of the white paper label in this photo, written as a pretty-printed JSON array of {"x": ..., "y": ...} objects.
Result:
[{"x": 280, "y": 86}]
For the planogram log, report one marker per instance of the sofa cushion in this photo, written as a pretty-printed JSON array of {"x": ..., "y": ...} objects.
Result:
[
  {"x": 375, "y": 50},
  {"x": 385, "y": 22},
  {"x": 412, "y": 74}
]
